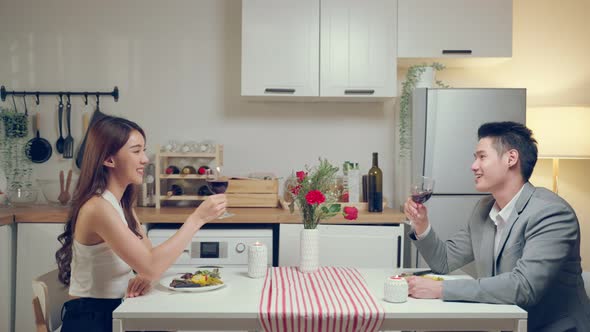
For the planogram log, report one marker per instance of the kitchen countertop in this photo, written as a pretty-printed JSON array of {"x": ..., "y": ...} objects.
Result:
[
  {"x": 6, "y": 217},
  {"x": 50, "y": 214}
]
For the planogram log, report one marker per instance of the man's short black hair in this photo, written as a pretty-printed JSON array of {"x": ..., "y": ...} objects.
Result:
[{"x": 512, "y": 135}]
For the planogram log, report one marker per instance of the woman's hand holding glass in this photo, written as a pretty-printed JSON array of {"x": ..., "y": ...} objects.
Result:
[
  {"x": 210, "y": 209},
  {"x": 217, "y": 184}
]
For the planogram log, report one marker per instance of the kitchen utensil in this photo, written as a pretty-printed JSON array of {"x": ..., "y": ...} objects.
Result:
[
  {"x": 421, "y": 273},
  {"x": 62, "y": 198},
  {"x": 69, "y": 141},
  {"x": 59, "y": 144},
  {"x": 68, "y": 182},
  {"x": 38, "y": 149},
  {"x": 25, "y": 103},
  {"x": 97, "y": 115},
  {"x": 51, "y": 191}
]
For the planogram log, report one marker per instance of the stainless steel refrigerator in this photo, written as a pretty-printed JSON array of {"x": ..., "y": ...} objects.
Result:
[{"x": 444, "y": 137}]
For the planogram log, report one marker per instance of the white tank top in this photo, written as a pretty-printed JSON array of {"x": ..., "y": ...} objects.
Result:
[{"x": 96, "y": 270}]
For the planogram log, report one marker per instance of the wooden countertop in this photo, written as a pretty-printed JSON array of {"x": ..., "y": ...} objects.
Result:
[
  {"x": 50, "y": 214},
  {"x": 6, "y": 217}
]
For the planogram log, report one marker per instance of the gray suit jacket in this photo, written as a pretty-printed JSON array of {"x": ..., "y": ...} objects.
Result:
[{"x": 537, "y": 265}]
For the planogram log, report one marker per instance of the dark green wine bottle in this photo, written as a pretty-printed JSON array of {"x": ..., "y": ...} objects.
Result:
[
  {"x": 175, "y": 190},
  {"x": 375, "y": 184}
]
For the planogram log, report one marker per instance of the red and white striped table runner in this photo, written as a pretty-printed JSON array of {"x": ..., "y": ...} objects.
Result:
[{"x": 330, "y": 299}]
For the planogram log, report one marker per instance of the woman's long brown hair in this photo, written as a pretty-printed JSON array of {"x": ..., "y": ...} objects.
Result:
[{"x": 105, "y": 138}]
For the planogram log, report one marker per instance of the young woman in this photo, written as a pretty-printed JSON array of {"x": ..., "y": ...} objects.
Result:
[{"x": 103, "y": 240}]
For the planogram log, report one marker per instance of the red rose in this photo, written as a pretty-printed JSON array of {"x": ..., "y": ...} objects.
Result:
[
  {"x": 300, "y": 176},
  {"x": 350, "y": 213},
  {"x": 344, "y": 197},
  {"x": 295, "y": 190},
  {"x": 315, "y": 197}
]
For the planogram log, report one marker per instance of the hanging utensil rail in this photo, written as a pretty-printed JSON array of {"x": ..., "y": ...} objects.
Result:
[{"x": 4, "y": 93}]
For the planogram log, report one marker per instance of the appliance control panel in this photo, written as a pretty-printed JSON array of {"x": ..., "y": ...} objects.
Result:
[{"x": 217, "y": 247}]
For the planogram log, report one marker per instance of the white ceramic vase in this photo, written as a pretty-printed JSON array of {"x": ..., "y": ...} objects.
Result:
[
  {"x": 427, "y": 79},
  {"x": 309, "y": 250}
]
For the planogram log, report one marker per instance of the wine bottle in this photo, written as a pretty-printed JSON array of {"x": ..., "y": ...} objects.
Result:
[
  {"x": 175, "y": 190},
  {"x": 375, "y": 184},
  {"x": 203, "y": 169},
  {"x": 189, "y": 170},
  {"x": 172, "y": 170}
]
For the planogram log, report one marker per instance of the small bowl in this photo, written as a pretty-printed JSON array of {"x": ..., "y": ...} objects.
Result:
[
  {"x": 51, "y": 190},
  {"x": 20, "y": 197}
]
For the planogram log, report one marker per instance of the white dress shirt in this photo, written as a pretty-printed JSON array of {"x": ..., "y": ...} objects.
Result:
[{"x": 501, "y": 218}]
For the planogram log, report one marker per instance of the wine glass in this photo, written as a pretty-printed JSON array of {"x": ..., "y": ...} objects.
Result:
[
  {"x": 421, "y": 191},
  {"x": 218, "y": 185}
]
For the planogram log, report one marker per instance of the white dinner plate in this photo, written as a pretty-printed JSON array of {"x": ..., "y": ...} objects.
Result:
[{"x": 167, "y": 280}]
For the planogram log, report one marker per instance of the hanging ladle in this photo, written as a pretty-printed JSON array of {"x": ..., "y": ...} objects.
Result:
[{"x": 59, "y": 145}]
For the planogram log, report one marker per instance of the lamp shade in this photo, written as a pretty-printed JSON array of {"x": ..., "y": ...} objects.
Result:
[{"x": 561, "y": 132}]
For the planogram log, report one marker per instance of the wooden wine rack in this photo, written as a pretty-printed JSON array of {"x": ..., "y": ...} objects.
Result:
[{"x": 164, "y": 159}]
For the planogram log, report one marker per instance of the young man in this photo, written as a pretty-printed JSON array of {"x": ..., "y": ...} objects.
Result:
[{"x": 525, "y": 240}]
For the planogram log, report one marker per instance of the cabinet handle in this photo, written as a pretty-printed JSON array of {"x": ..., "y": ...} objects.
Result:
[
  {"x": 456, "y": 52},
  {"x": 277, "y": 90},
  {"x": 399, "y": 252},
  {"x": 358, "y": 92}
]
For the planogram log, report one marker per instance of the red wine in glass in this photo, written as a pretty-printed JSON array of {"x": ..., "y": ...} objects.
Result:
[
  {"x": 421, "y": 191},
  {"x": 422, "y": 196},
  {"x": 217, "y": 186}
]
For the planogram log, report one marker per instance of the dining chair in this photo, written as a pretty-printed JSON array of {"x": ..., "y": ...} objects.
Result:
[{"x": 49, "y": 295}]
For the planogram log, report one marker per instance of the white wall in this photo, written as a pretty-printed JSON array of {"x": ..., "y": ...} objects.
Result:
[{"x": 177, "y": 65}]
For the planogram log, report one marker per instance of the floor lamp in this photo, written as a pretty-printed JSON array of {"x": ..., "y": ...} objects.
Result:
[{"x": 562, "y": 133}]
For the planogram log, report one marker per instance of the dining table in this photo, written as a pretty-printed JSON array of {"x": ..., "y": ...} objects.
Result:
[{"x": 236, "y": 306}]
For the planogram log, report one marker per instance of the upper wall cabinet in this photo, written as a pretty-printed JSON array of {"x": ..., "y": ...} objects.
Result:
[
  {"x": 280, "y": 47},
  {"x": 454, "y": 28},
  {"x": 358, "y": 48},
  {"x": 290, "y": 49}
]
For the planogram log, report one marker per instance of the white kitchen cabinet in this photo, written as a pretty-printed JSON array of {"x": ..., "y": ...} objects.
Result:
[
  {"x": 348, "y": 245},
  {"x": 314, "y": 48},
  {"x": 358, "y": 48},
  {"x": 36, "y": 247},
  {"x": 6, "y": 277},
  {"x": 280, "y": 47},
  {"x": 454, "y": 28}
]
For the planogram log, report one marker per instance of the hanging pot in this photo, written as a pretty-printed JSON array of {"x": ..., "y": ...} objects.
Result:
[{"x": 38, "y": 149}]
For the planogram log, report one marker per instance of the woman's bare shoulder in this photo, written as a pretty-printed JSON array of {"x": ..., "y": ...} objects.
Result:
[{"x": 97, "y": 208}]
